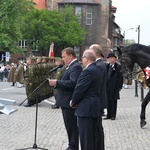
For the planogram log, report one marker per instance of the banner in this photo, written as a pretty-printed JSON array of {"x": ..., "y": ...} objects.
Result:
[{"x": 51, "y": 52}]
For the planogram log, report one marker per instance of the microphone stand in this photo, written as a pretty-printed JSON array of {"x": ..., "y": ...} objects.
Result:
[
  {"x": 36, "y": 90},
  {"x": 53, "y": 71}
]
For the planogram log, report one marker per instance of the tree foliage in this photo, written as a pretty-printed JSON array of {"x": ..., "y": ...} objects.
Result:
[
  {"x": 128, "y": 42},
  {"x": 73, "y": 33},
  {"x": 12, "y": 19},
  {"x": 44, "y": 27}
]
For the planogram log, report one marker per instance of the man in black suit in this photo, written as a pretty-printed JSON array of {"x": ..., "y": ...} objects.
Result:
[
  {"x": 114, "y": 85},
  {"x": 65, "y": 88},
  {"x": 99, "y": 62},
  {"x": 86, "y": 100},
  {"x": 103, "y": 96}
]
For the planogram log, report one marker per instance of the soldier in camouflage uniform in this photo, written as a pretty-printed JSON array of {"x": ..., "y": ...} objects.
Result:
[
  {"x": 46, "y": 90},
  {"x": 35, "y": 75},
  {"x": 28, "y": 80},
  {"x": 20, "y": 74},
  {"x": 11, "y": 74}
]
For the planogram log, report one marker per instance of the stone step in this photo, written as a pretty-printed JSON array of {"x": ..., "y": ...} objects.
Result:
[
  {"x": 1, "y": 106},
  {"x": 7, "y": 101},
  {"x": 4, "y": 106},
  {"x": 8, "y": 110}
]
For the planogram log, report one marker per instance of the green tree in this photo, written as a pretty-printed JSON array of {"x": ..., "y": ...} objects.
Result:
[
  {"x": 12, "y": 19},
  {"x": 128, "y": 42},
  {"x": 44, "y": 27},
  {"x": 73, "y": 33}
]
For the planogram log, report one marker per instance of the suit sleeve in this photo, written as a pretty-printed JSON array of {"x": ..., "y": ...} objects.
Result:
[
  {"x": 72, "y": 79},
  {"x": 82, "y": 87}
]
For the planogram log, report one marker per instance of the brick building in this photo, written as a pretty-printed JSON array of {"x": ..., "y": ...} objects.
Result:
[{"x": 96, "y": 17}]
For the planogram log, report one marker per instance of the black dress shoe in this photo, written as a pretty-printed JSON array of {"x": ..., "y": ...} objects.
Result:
[
  {"x": 112, "y": 118},
  {"x": 103, "y": 114},
  {"x": 107, "y": 118},
  {"x": 55, "y": 106}
]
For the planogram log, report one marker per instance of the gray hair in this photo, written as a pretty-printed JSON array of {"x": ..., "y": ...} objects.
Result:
[{"x": 90, "y": 54}]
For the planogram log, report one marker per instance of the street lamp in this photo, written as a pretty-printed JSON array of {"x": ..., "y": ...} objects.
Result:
[
  {"x": 142, "y": 90},
  {"x": 125, "y": 32},
  {"x": 138, "y": 29}
]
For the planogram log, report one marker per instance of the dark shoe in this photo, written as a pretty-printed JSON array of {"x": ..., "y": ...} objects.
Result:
[
  {"x": 107, "y": 118},
  {"x": 112, "y": 118},
  {"x": 55, "y": 106}
]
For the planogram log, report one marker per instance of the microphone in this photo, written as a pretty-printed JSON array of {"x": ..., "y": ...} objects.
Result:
[{"x": 54, "y": 69}]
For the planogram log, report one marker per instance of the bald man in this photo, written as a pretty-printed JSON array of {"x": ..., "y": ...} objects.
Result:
[{"x": 86, "y": 101}]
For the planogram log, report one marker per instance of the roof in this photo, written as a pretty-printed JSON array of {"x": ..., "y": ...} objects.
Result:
[{"x": 80, "y": 1}]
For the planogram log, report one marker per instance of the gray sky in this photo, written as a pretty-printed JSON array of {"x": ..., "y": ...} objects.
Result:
[{"x": 130, "y": 14}]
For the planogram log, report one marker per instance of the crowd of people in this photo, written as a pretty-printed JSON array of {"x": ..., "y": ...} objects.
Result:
[
  {"x": 4, "y": 70},
  {"x": 82, "y": 90},
  {"x": 31, "y": 74}
]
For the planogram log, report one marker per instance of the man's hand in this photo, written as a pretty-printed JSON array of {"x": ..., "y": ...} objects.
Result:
[
  {"x": 71, "y": 105},
  {"x": 52, "y": 82}
]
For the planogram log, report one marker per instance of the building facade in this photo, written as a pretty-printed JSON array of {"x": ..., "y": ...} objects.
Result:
[{"x": 96, "y": 17}]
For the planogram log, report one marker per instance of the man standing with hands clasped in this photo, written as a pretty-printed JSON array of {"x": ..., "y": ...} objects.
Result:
[
  {"x": 86, "y": 100},
  {"x": 114, "y": 85},
  {"x": 65, "y": 88}
]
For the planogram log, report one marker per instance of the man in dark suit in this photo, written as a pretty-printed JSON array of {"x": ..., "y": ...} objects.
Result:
[
  {"x": 103, "y": 96},
  {"x": 86, "y": 100},
  {"x": 65, "y": 88},
  {"x": 99, "y": 62},
  {"x": 114, "y": 85}
]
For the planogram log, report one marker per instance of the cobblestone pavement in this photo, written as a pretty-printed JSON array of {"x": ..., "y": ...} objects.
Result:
[{"x": 17, "y": 130}]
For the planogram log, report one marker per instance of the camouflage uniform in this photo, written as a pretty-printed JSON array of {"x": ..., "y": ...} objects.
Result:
[
  {"x": 46, "y": 90},
  {"x": 35, "y": 75},
  {"x": 28, "y": 81},
  {"x": 20, "y": 73}
]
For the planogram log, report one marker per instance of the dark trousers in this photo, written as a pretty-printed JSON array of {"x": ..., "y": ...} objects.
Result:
[
  {"x": 99, "y": 135},
  {"x": 112, "y": 108},
  {"x": 70, "y": 121},
  {"x": 87, "y": 132}
]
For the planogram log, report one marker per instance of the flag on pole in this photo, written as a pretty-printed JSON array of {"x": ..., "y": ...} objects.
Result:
[{"x": 51, "y": 52}]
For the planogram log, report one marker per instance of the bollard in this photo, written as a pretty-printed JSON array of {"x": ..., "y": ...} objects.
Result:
[{"x": 136, "y": 88}]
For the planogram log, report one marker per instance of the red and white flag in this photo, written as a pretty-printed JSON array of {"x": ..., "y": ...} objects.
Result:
[{"x": 51, "y": 52}]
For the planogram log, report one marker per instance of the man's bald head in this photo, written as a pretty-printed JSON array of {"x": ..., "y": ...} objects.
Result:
[{"x": 97, "y": 49}]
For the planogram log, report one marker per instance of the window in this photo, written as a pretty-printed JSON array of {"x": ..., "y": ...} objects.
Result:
[
  {"x": 89, "y": 16},
  {"x": 23, "y": 44},
  {"x": 35, "y": 45},
  {"x": 77, "y": 51},
  {"x": 78, "y": 13}
]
